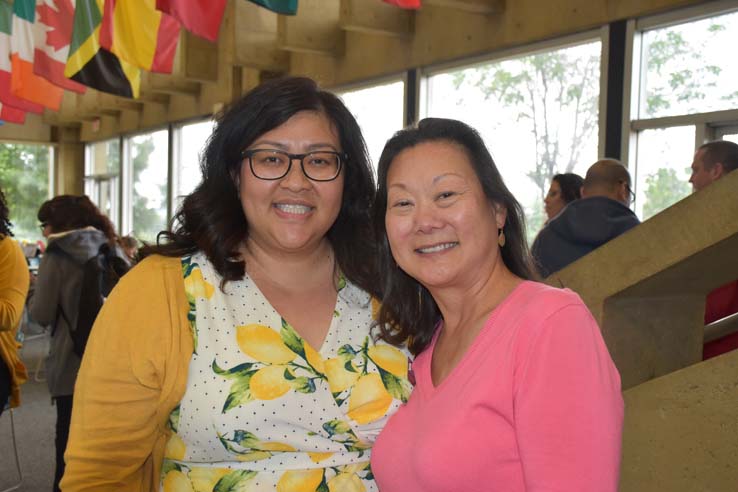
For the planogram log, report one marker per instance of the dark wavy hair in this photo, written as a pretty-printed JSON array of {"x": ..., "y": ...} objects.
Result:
[
  {"x": 211, "y": 219},
  {"x": 571, "y": 186},
  {"x": 5, "y": 224},
  {"x": 69, "y": 212},
  {"x": 408, "y": 312}
]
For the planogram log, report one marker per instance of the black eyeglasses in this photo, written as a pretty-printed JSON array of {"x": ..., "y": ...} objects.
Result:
[
  {"x": 631, "y": 195},
  {"x": 271, "y": 164},
  {"x": 43, "y": 225}
]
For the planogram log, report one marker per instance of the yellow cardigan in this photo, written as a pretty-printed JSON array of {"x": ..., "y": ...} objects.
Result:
[
  {"x": 133, "y": 374},
  {"x": 14, "y": 280}
]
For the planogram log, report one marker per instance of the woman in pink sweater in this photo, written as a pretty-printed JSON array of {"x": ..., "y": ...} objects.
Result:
[{"x": 515, "y": 390}]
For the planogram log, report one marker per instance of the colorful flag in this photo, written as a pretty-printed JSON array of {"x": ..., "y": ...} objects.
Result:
[
  {"x": 12, "y": 115},
  {"x": 52, "y": 35},
  {"x": 200, "y": 17},
  {"x": 23, "y": 82},
  {"x": 405, "y": 4},
  {"x": 287, "y": 7},
  {"x": 136, "y": 32},
  {"x": 6, "y": 97},
  {"x": 93, "y": 66}
]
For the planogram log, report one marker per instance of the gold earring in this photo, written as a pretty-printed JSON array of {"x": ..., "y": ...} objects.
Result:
[{"x": 501, "y": 238}]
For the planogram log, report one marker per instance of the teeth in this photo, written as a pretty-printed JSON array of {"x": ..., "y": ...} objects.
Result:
[
  {"x": 437, "y": 247},
  {"x": 293, "y": 209}
]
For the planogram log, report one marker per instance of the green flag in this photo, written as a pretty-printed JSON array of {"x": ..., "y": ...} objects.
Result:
[{"x": 287, "y": 7}]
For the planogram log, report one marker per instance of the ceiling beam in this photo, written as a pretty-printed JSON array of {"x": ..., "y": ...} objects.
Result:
[
  {"x": 376, "y": 18},
  {"x": 316, "y": 30},
  {"x": 487, "y": 7}
]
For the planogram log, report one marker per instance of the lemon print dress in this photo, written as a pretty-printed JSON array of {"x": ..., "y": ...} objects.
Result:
[{"x": 265, "y": 411}]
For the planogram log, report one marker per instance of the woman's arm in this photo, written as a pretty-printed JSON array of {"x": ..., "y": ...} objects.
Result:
[
  {"x": 568, "y": 407},
  {"x": 14, "y": 279},
  {"x": 133, "y": 373},
  {"x": 45, "y": 301}
]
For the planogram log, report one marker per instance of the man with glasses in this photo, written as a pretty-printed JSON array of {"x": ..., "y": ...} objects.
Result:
[{"x": 601, "y": 214}]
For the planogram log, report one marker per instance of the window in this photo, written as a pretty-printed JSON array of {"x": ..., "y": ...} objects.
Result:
[
  {"x": 147, "y": 159},
  {"x": 538, "y": 114},
  {"x": 102, "y": 172},
  {"x": 189, "y": 143},
  {"x": 379, "y": 110},
  {"x": 24, "y": 179},
  {"x": 683, "y": 95}
]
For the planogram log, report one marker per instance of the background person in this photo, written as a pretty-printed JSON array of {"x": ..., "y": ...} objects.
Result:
[
  {"x": 14, "y": 282},
  {"x": 602, "y": 214},
  {"x": 564, "y": 189},
  {"x": 515, "y": 388},
  {"x": 75, "y": 230},
  {"x": 243, "y": 349}
]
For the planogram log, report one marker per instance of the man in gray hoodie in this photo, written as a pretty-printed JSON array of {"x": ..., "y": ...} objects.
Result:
[{"x": 586, "y": 224}]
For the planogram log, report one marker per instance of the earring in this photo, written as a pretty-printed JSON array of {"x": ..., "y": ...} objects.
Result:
[{"x": 501, "y": 238}]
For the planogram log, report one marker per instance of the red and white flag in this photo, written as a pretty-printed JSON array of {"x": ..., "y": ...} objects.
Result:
[{"x": 52, "y": 36}]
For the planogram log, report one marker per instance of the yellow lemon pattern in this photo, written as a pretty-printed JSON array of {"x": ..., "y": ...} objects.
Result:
[{"x": 264, "y": 410}]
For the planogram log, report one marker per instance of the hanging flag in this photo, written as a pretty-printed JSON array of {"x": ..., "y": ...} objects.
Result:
[
  {"x": 287, "y": 7},
  {"x": 23, "y": 82},
  {"x": 52, "y": 35},
  {"x": 93, "y": 66},
  {"x": 6, "y": 97},
  {"x": 200, "y": 17},
  {"x": 12, "y": 115},
  {"x": 136, "y": 32},
  {"x": 405, "y": 4}
]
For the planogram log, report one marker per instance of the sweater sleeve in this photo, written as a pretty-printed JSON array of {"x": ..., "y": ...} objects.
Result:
[
  {"x": 46, "y": 295},
  {"x": 14, "y": 279},
  {"x": 568, "y": 407},
  {"x": 133, "y": 374}
]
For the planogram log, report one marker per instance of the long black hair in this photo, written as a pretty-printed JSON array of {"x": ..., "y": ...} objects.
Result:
[
  {"x": 5, "y": 224},
  {"x": 211, "y": 219},
  {"x": 408, "y": 311}
]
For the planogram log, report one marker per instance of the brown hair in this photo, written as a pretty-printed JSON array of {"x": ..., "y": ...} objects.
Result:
[{"x": 69, "y": 212}]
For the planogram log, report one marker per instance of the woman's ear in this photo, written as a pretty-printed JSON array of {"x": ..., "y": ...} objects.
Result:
[{"x": 500, "y": 215}]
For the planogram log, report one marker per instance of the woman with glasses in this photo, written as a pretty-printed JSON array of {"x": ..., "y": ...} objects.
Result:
[
  {"x": 515, "y": 390},
  {"x": 75, "y": 230},
  {"x": 237, "y": 355}
]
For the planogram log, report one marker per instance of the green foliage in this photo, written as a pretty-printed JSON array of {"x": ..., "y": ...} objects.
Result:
[
  {"x": 24, "y": 178},
  {"x": 663, "y": 189},
  {"x": 148, "y": 219}
]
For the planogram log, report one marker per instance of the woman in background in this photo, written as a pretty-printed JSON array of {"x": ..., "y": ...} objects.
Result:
[
  {"x": 515, "y": 388},
  {"x": 564, "y": 189},
  {"x": 75, "y": 230},
  {"x": 14, "y": 281}
]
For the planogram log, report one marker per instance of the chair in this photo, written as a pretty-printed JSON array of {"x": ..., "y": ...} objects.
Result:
[{"x": 17, "y": 485}]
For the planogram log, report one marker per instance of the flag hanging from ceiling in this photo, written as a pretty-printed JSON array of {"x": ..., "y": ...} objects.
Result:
[
  {"x": 12, "y": 115},
  {"x": 141, "y": 35},
  {"x": 93, "y": 66},
  {"x": 23, "y": 82},
  {"x": 287, "y": 7},
  {"x": 52, "y": 35},
  {"x": 6, "y": 97},
  {"x": 200, "y": 17},
  {"x": 405, "y": 4}
]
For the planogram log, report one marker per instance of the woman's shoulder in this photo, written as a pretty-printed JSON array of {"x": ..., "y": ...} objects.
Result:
[
  {"x": 534, "y": 301},
  {"x": 146, "y": 273}
]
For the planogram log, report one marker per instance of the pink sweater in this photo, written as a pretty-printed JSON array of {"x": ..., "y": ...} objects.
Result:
[{"x": 534, "y": 405}]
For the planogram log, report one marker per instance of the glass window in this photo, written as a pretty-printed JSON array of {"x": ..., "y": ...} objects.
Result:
[
  {"x": 380, "y": 111},
  {"x": 690, "y": 68},
  {"x": 188, "y": 147},
  {"x": 664, "y": 158},
  {"x": 538, "y": 115},
  {"x": 24, "y": 179},
  {"x": 149, "y": 157},
  {"x": 102, "y": 172}
]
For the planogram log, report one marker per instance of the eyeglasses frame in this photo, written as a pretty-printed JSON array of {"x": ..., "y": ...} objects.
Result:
[{"x": 248, "y": 153}]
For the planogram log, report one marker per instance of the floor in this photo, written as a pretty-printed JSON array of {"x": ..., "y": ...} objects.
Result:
[{"x": 34, "y": 427}]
